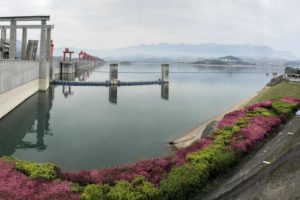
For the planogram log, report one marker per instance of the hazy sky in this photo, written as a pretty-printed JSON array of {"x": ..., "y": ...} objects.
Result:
[{"x": 106, "y": 24}]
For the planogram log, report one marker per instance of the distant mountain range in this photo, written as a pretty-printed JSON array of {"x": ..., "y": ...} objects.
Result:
[{"x": 167, "y": 51}]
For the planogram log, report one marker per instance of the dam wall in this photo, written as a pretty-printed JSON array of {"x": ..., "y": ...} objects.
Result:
[
  {"x": 83, "y": 65},
  {"x": 19, "y": 79},
  {"x": 58, "y": 66}
]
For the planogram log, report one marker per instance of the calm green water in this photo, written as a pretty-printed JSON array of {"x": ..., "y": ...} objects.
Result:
[{"x": 93, "y": 127}]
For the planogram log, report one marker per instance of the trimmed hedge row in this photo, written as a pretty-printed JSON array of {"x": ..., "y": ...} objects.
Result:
[
  {"x": 183, "y": 174},
  {"x": 47, "y": 171}
]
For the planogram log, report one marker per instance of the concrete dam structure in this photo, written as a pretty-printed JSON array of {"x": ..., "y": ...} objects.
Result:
[
  {"x": 67, "y": 69},
  {"x": 23, "y": 76}
]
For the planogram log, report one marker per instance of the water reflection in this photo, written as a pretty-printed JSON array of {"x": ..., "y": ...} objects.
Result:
[
  {"x": 113, "y": 94},
  {"x": 67, "y": 91},
  {"x": 31, "y": 117},
  {"x": 236, "y": 69},
  {"x": 79, "y": 75},
  {"x": 83, "y": 75},
  {"x": 27, "y": 125},
  {"x": 165, "y": 91}
]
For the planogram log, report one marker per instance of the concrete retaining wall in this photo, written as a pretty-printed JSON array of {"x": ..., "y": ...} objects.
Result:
[
  {"x": 18, "y": 81},
  {"x": 16, "y": 73}
]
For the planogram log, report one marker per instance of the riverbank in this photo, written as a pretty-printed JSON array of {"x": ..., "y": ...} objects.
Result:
[
  {"x": 281, "y": 89},
  {"x": 192, "y": 136}
]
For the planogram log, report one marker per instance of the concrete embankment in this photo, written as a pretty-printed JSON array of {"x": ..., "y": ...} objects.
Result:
[
  {"x": 18, "y": 81},
  {"x": 195, "y": 134},
  {"x": 272, "y": 173}
]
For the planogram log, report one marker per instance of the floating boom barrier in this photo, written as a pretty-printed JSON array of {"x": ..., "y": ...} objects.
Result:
[{"x": 106, "y": 83}]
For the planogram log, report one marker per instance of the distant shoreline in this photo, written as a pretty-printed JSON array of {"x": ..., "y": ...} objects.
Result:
[
  {"x": 212, "y": 65},
  {"x": 202, "y": 65}
]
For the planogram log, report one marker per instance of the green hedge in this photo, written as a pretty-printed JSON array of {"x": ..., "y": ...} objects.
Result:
[
  {"x": 93, "y": 192},
  {"x": 284, "y": 108},
  {"x": 46, "y": 171},
  {"x": 182, "y": 182},
  {"x": 138, "y": 189},
  {"x": 260, "y": 112}
]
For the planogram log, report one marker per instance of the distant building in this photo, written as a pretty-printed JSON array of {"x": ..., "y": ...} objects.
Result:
[
  {"x": 227, "y": 60},
  {"x": 292, "y": 74},
  {"x": 230, "y": 59}
]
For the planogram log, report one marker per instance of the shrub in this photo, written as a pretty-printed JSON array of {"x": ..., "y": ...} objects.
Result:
[
  {"x": 231, "y": 118},
  {"x": 138, "y": 189},
  {"x": 46, "y": 171},
  {"x": 95, "y": 192},
  {"x": 223, "y": 136},
  {"x": 180, "y": 155},
  {"x": 290, "y": 100},
  {"x": 216, "y": 157},
  {"x": 260, "y": 112},
  {"x": 284, "y": 108},
  {"x": 242, "y": 122},
  {"x": 17, "y": 186},
  {"x": 256, "y": 130},
  {"x": 153, "y": 170},
  {"x": 264, "y": 104},
  {"x": 184, "y": 181}
]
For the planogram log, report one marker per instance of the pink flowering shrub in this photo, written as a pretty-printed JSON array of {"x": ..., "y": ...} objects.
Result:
[
  {"x": 231, "y": 118},
  {"x": 290, "y": 100},
  {"x": 153, "y": 170},
  {"x": 255, "y": 131},
  {"x": 17, "y": 186},
  {"x": 264, "y": 104}
]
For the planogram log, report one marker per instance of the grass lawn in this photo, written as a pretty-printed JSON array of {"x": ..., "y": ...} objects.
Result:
[{"x": 280, "y": 90}]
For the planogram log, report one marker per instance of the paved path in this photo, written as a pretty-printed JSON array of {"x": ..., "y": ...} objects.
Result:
[{"x": 273, "y": 173}]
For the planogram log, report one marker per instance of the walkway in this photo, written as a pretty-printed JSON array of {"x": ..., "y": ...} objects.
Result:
[{"x": 272, "y": 173}]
